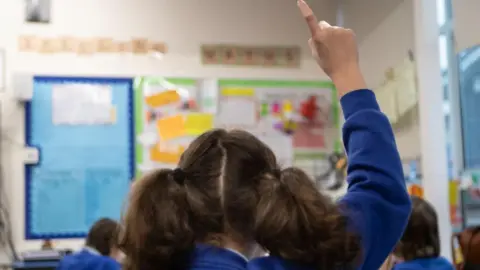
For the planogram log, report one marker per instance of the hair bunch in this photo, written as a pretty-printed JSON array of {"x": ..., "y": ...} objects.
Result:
[
  {"x": 167, "y": 215},
  {"x": 295, "y": 221},
  {"x": 158, "y": 229}
]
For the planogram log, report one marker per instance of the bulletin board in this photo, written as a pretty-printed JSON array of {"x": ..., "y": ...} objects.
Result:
[
  {"x": 279, "y": 116},
  {"x": 84, "y": 131},
  {"x": 171, "y": 112}
]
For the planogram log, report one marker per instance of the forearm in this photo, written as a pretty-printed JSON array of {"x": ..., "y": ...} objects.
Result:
[{"x": 348, "y": 80}]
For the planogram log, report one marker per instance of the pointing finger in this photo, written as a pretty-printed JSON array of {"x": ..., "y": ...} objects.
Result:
[{"x": 307, "y": 13}]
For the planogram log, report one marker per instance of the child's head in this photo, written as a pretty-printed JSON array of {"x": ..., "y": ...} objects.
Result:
[
  {"x": 103, "y": 236},
  {"x": 420, "y": 238},
  {"x": 228, "y": 191}
]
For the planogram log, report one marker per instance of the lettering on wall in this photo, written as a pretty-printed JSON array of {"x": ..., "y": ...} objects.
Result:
[
  {"x": 88, "y": 46},
  {"x": 266, "y": 56}
]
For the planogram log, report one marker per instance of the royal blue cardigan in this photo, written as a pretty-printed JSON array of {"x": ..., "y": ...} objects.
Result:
[
  {"x": 376, "y": 202},
  {"x": 206, "y": 257},
  {"x": 437, "y": 263},
  {"x": 88, "y": 259}
]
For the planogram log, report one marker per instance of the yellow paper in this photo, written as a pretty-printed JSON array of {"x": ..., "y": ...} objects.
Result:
[
  {"x": 242, "y": 92},
  {"x": 198, "y": 123},
  {"x": 171, "y": 127},
  {"x": 458, "y": 258},
  {"x": 287, "y": 107},
  {"x": 453, "y": 192},
  {"x": 162, "y": 99}
]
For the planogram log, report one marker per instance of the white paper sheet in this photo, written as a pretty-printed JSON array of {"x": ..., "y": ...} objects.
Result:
[
  {"x": 237, "y": 112},
  {"x": 282, "y": 146},
  {"x": 82, "y": 104}
]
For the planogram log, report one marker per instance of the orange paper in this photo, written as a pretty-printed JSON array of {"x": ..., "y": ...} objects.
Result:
[
  {"x": 164, "y": 157},
  {"x": 171, "y": 127},
  {"x": 162, "y": 99},
  {"x": 415, "y": 190}
]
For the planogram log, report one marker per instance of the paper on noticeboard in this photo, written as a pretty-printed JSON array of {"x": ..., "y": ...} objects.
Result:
[{"x": 82, "y": 104}]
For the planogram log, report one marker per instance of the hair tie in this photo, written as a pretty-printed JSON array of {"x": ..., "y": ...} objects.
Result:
[{"x": 179, "y": 176}]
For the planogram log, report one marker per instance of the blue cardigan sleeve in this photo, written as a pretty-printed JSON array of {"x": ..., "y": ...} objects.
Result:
[
  {"x": 376, "y": 202},
  {"x": 111, "y": 264}
]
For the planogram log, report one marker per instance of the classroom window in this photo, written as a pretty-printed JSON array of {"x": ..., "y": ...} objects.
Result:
[
  {"x": 443, "y": 52},
  {"x": 446, "y": 91},
  {"x": 469, "y": 109},
  {"x": 441, "y": 12},
  {"x": 447, "y": 120}
]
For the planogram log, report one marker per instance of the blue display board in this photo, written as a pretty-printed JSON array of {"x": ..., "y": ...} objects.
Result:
[{"x": 84, "y": 171}]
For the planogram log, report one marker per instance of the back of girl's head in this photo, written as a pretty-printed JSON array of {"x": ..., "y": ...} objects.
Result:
[
  {"x": 103, "y": 236},
  {"x": 295, "y": 221},
  {"x": 208, "y": 197},
  {"x": 420, "y": 238}
]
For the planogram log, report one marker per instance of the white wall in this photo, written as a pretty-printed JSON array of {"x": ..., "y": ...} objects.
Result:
[
  {"x": 182, "y": 24},
  {"x": 386, "y": 46},
  {"x": 465, "y": 23}
]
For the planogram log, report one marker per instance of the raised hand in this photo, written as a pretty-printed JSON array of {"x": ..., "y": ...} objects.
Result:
[{"x": 335, "y": 50}]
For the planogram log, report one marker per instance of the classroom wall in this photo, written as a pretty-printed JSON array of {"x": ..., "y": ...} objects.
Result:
[
  {"x": 183, "y": 25},
  {"x": 388, "y": 43},
  {"x": 386, "y": 46},
  {"x": 465, "y": 20}
]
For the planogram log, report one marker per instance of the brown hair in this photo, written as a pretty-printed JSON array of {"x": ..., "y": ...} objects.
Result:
[
  {"x": 295, "y": 221},
  {"x": 420, "y": 238},
  {"x": 103, "y": 236},
  {"x": 232, "y": 189}
]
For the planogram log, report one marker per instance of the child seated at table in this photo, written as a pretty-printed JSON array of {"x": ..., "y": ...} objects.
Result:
[
  {"x": 419, "y": 247},
  {"x": 100, "y": 251}
]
